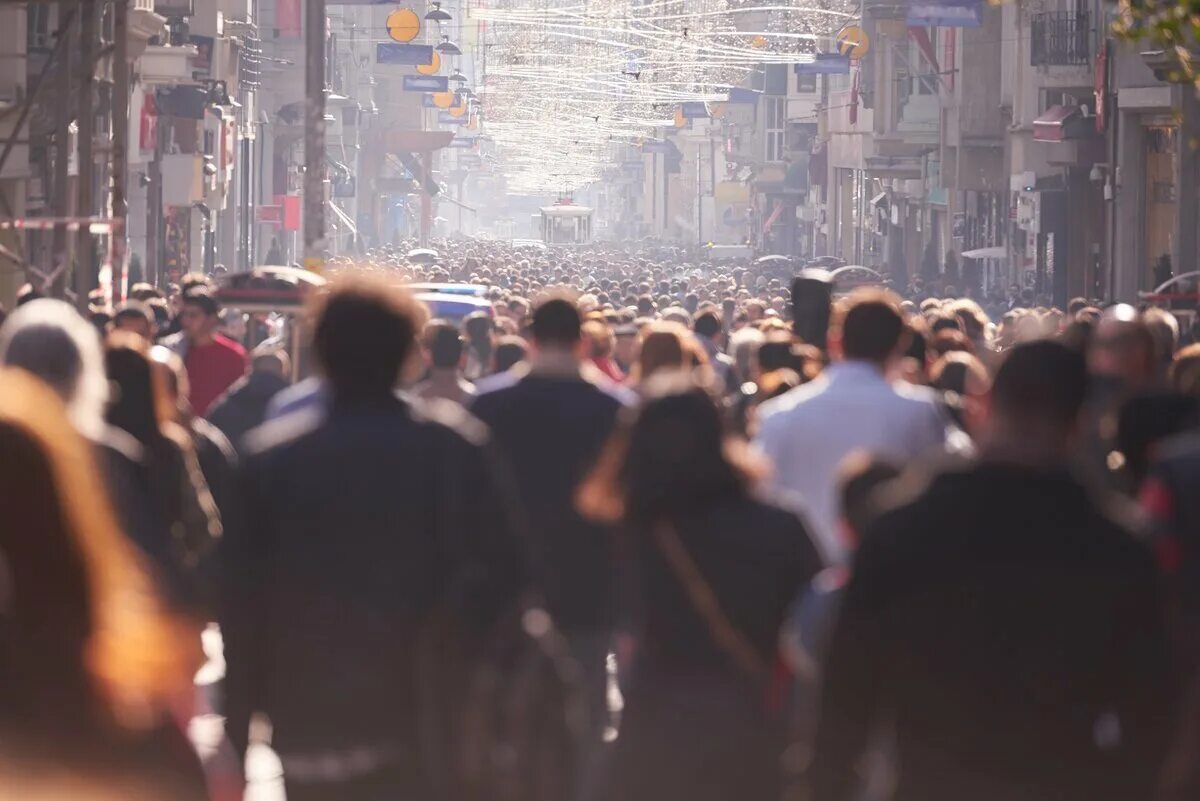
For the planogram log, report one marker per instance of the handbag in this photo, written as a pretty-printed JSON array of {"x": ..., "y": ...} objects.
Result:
[{"x": 707, "y": 606}]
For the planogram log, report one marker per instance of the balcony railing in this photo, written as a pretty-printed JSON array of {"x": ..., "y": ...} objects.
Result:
[{"x": 1060, "y": 38}]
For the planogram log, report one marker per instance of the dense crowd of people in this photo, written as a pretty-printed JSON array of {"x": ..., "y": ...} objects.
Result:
[{"x": 623, "y": 535}]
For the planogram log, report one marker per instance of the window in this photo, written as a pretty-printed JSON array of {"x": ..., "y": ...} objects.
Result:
[
  {"x": 776, "y": 120},
  {"x": 38, "y": 27},
  {"x": 806, "y": 83}
]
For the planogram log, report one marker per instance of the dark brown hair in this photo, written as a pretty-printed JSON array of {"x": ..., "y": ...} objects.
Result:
[
  {"x": 671, "y": 456},
  {"x": 365, "y": 330}
]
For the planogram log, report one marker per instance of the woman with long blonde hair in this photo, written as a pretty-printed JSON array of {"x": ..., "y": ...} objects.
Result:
[{"x": 91, "y": 667}]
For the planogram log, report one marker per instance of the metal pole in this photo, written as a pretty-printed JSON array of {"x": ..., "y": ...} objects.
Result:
[
  {"x": 62, "y": 155},
  {"x": 85, "y": 268},
  {"x": 314, "y": 137},
  {"x": 120, "y": 142}
]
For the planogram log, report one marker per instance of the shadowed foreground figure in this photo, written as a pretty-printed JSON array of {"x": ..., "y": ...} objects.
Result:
[
  {"x": 1003, "y": 625},
  {"x": 344, "y": 551}
]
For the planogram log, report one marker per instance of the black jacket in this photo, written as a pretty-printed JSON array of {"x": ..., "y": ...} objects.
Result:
[
  {"x": 1010, "y": 632},
  {"x": 351, "y": 531},
  {"x": 550, "y": 430},
  {"x": 244, "y": 405}
]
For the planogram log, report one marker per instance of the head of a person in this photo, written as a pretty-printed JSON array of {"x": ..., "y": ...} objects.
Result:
[
  {"x": 135, "y": 317},
  {"x": 664, "y": 350},
  {"x": 199, "y": 315},
  {"x": 85, "y": 634},
  {"x": 443, "y": 345},
  {"x": 1035, "y": 402},
  {"x": 270, "y": 359},
  {"x": 193, "y": 281},
  {"x": 859, "y": 480},
  {"x": 479, "y": 328},
  {"x": 599, "y": 339},
  {"x": 365, "y": 335},
  {"x": 1165, "y": 330},
  {"x": 1184, "y": 372},
  {"x": 49, "y": 339},
  {"x": 709, "y": 325},
  {"x": 871, "y": 329},
  {"x": 670, "y": 456},
  {"x": 964, "y": 379},
  {"x": 139, "y": 396},
  {"x": 171, "y": 382},
  {"x": 556, "y": 326},
  {"x": 510, "y": 351},
  {"x": 1123, "y": 349}
]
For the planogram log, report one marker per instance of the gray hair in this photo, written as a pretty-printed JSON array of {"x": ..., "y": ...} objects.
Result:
[{"x": 49, "y": 339}]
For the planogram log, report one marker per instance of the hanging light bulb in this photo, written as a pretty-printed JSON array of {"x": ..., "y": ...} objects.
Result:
[
  {"x": 447, "y": 47},
  {"x": 437, "y": 15}
]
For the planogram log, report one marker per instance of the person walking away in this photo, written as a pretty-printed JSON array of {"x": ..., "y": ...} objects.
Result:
[
  {"x": 443, "y": 349},
  {"x": 92, "y": 666},
  {"x": 550, "y": 426},
  {"x": 511, "y": 353},
  {"x": 852, "y": 406},
  {"x": 244, "y": 405},
  {"x": 49, "y": 339},
  {"x": 344, "y": 552},
  {"x": 213, "y": 361},
  {"x": 1002, "y": 624},
  {"x": 712, "y": 572},
  {"x": 214, "y": 452},
  {"x": 709, "y": 330},
  {"x": 184, "y": 545},
  {"x": 480, "y": 332}
]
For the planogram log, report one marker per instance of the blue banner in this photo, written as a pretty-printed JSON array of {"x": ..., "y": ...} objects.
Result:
[
  {"x": 824, "y": 64},
  {"x": 397, "y": 53},
  {"x": 694, "y": 111},
  {"x": 925, "y": 14},
  {"x": 446, "y": 118},
  {"x": 426, "y": 83},
  {"x": 463, "y": 142},
  {"x": 740, "y": 95}
]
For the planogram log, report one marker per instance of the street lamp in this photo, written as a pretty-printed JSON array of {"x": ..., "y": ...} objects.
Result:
[
  {"x": 437, "y": 15},
  {"x": 447, "y": 47}
]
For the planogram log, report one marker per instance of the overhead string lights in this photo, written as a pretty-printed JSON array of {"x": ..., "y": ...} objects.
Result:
[{"x": 567, "y": 82}]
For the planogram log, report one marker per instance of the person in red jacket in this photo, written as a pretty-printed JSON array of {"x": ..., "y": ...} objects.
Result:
[{"x": 213, "y": 361}]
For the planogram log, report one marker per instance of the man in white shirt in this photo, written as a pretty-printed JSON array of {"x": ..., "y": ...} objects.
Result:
[{"x": 852, "y": 406}]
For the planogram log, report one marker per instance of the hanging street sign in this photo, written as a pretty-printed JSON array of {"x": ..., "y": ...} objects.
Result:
[
  {"x": 397, "y": 53},
  {"x": 426, "y": 83},
  {"x": 446, "y": 118},
  {"x": 853, "y": 42},
  {"x": 824, "y": 64}
]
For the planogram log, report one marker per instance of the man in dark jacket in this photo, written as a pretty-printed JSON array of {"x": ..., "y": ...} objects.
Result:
[
  {"x": 354, "y": 530},
  {"x": 244, "y": 406},
  {"x": 1002, "y": 625},
  {"x": 551, "y": 425}
]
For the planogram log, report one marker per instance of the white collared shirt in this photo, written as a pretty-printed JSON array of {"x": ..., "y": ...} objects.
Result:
[{"x": 850, "y": 407}]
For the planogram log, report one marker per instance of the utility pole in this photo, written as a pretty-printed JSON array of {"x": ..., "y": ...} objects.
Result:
[
  {"x": 61, "y": 205},
  {"x": 120, "y": 142},
  {"x": 85, "y": 266},
  {"x": 314, "y": 136}
]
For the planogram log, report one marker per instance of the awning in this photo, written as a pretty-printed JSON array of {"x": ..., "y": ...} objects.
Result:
[
  {"x": 995, "y": 252},
  {"x": 1061, "y": 123}
]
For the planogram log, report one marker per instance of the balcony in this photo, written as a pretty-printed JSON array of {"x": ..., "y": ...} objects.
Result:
[{"x": 1060, "y": 38}]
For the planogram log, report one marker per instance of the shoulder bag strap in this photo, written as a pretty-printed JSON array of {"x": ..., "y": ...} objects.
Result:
[{"x": 704, "y": 601}]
